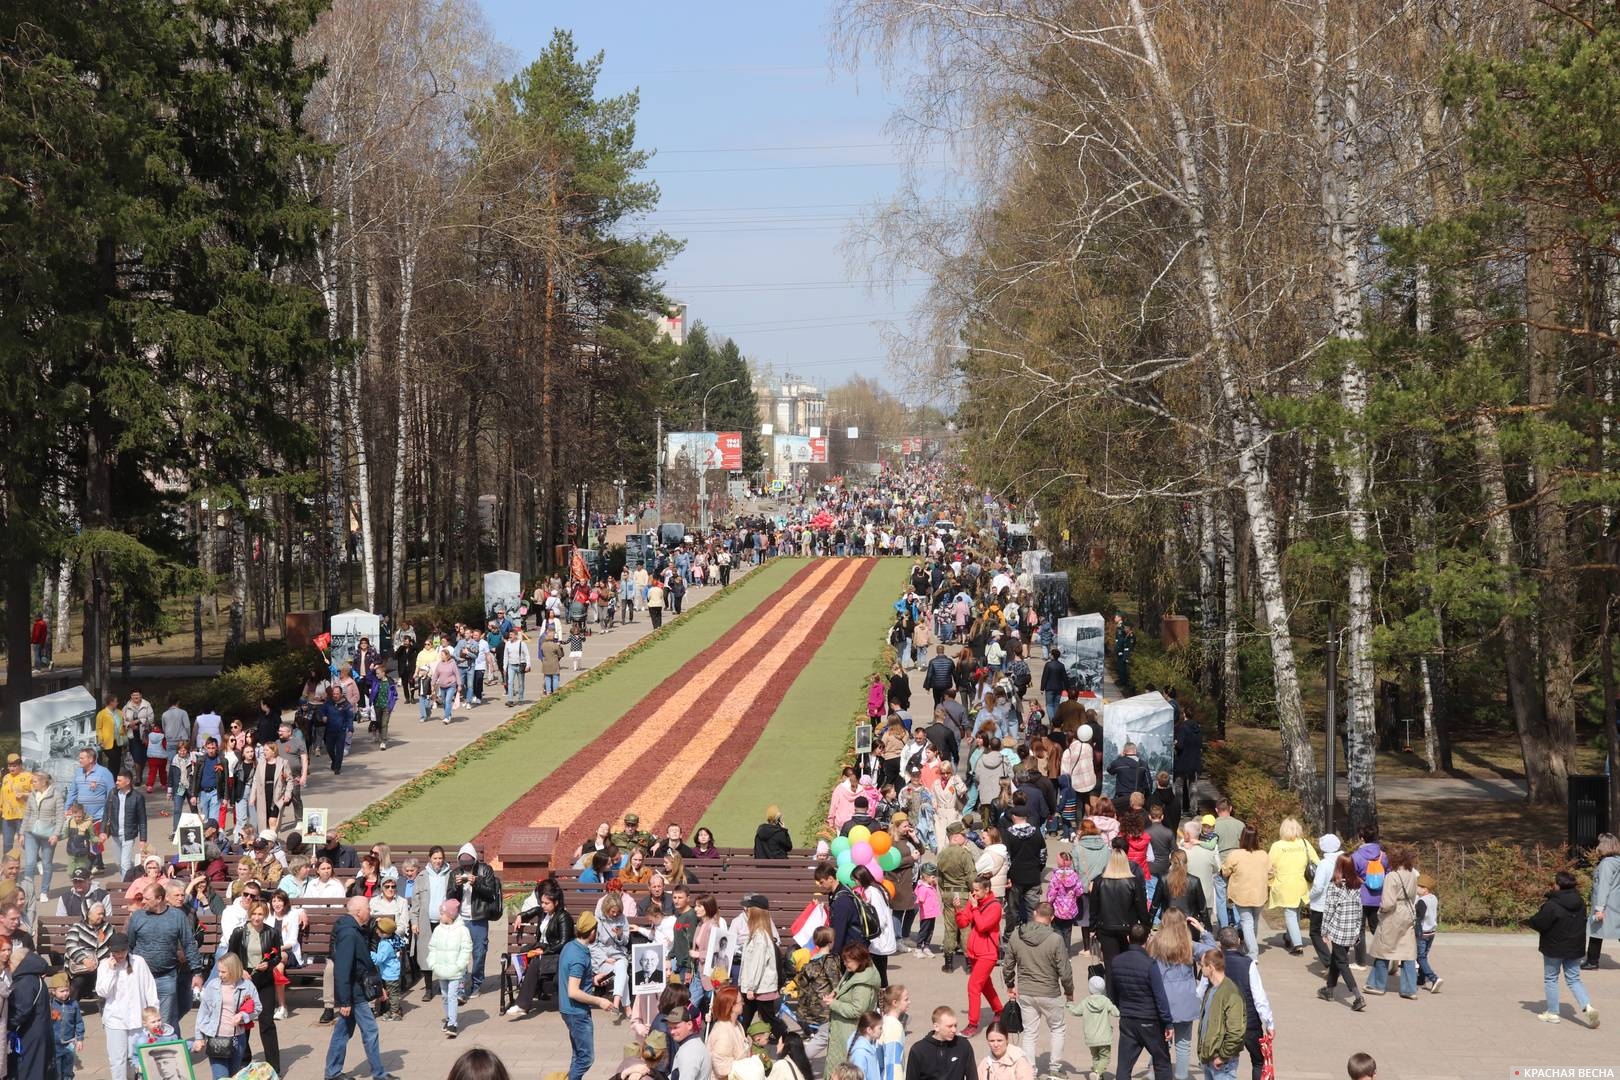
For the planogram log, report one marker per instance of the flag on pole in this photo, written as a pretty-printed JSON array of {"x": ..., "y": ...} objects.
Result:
[{"x": 804, "y": 927}]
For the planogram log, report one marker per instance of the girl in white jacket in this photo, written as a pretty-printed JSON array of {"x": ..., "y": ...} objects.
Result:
[
  {"x": 450, "y": 958},
  {"x": 125, "y": 986}
]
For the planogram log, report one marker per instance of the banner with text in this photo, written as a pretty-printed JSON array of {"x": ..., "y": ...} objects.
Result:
[
  {"x": 703, "y": 450},
  {"x": 818, "y": 449}
]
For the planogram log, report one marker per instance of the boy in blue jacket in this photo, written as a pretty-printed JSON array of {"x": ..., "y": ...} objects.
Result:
[
  {"x": 67, "y": 1026},
  {"x": 385, "y": 955}
]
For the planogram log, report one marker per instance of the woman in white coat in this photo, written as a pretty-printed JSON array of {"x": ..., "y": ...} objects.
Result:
[
  {"x": 125, "y": 986},
  {"x": 885, "y": 944}
]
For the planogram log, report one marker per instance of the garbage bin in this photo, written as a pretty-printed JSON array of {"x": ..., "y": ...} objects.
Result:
[{"x": 1588, "y": 810}]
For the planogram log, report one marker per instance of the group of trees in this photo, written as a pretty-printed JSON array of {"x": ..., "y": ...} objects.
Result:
[
  {"x": 1308, "y": 314},
  {"x": 292, "y": 288}
]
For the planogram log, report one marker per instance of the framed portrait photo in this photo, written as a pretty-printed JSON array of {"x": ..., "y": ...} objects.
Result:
[
  {"x": 863, "y": 740},
  {"x": 647, "y": 969},
  {"x": 314, "y": 825},
  {"x": 169, "y": 1060}
]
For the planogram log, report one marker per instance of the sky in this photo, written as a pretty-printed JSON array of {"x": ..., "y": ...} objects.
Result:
[{"x": 767, "y": 150}]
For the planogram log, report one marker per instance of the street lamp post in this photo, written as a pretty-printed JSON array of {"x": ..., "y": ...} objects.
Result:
[{"x": 703, "y": 471}]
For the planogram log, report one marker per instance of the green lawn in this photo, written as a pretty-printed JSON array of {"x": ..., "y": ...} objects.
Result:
[
  {"x": 480, "y": 787},
  {"x": 793, "y": 764}
]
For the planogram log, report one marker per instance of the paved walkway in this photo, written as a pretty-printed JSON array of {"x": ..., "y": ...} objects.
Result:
[{"x": 370, "y": 772}]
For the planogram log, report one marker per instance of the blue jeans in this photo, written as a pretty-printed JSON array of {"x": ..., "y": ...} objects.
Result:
[
  {"x": 179, "y": 805},
  {"x": 37, "y": 852},
  {"x": 552, "y": 682},
  {"x": 1425, "y": 972},
  {"x": 1249, "y": 923},
  {"x": 361, "y": 1016},
  {"x": 514, "y": 682},
  {"x": 424, "y": 705},
  {"x": 583, "y": 1040},
  {"x": 1291, "y": 920},
  {"x": 1378, "y": 977},
  {"x": 450, "y": 991},
  {"x": 1053, "y": 700},
  {"x": 447, "y": 698},
  {"x": 1222, "y": 916},
  {"x": 1550, "y": 968},
  {"x": 479, "y": 929},
  {"x": 1183, "y": 1048},
  {"x": 1226, "y": 1071},
  {"x": 10, "y": 829},
  {"x": 467, "y": 686},
  {"x": 239, "y": 1057},
  {"x": 170, "y": 999},
  {"x": 208, "y": 806}
]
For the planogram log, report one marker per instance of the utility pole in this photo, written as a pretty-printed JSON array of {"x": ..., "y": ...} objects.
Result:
[{"x": 658, "y": 468}]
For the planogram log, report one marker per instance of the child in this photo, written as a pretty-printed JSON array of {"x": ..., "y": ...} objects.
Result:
[
  {"x": 1428, "y": 918},
  {"x": 1362, "y": 1067},
  {"x": 67, "y": 1024},
  {"x": 157, "y": 759},
  {"x": 80, "y": 833},
  {"x": 1097, "y": 1015},
  {"x": 385, "y": 955},
  {"x": 928, "y": 907},
  {"x": 153, "y": 1030},
  {"x": 895, "y": 1002},
  {"x": 576, "y": 645}
]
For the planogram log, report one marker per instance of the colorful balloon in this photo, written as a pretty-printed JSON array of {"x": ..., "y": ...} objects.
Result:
[
  {"x": 861, "y": 852},
  {"x": 859, "y": 834},
  {"x": 880, "y": 842},
  {"x": 846, "y": 876},
  {"x": 1085, "y": 733},
  {"x": 890, "y": 860},
  {"x": 877, "y": 871},
  {"x": 888, "y": 887},
  {"x": 844, "y": 858},
  {"x": 839, "y": 845}
]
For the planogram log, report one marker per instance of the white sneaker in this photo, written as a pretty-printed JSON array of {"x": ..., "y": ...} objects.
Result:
[
  {"x": 1591, "y": 1016},
  {"x": 385, "y": 746},
  {"x": 280, "y": 1014},
  {"x": 1550, "y": 1018},
  {"x": 447, "y": 720},
  {"x": 515, "y": 1010}
]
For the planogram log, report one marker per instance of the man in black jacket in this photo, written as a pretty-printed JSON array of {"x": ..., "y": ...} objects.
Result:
[
  {"x": 351, "y": 963},
  {"x": 941, "y": 675},
  {"x": 1144, "y": 1011},
  {"x": 941, "y": 1054},
  {"x": 1026, "y": 858},
  {"x": 1054, "y": 680},
  {"x": 123, "y": 819},
  {"x": 474, "y": 883},
  {"x": 1129, "y": 775}
]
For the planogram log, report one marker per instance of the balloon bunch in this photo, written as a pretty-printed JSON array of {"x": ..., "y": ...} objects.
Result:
[{"x": 862, "y": 847}]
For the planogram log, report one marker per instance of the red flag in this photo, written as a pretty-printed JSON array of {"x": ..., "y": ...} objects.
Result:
[{"x": 323, "y": 641}]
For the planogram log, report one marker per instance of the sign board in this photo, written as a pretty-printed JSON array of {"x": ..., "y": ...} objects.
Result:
[
  {"x": 815, "y": 432},
  {"x": 347, "y": 628},
  {"x": 1148, "y": 720},
  {"x": 1081, "y": 639},
  {"x": 1037, "y": 561},
  {"x": 737, "y": 489},
  {"x": 818, "y": 448},
  {"x": 55, "y": 727},
  {"x": 703, "y": 450},
  {"x": 852, "y": 433},
  {"x": 502, "y": 589},
  {"x": 788, "y": 451},
  {"x": 767, "y": 429}
]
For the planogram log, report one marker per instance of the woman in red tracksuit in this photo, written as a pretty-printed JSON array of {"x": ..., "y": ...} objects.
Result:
[{"x": 982, "y": 918}]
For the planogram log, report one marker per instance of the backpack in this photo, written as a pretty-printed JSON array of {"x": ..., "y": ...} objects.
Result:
[
  {"x": 867, "y": 914},
  {"x": 1374, "y": 879},
  {"x": 1020, "y": 674},
  {"x": 785, "y": 972}
]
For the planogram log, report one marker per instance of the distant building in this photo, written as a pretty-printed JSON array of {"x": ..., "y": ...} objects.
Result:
[
  {"x": 794, "y": 408},
  {"x": 672, "y": 324}
]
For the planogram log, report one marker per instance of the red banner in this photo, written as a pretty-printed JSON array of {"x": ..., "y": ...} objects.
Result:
[
  {"x": 818, "y": 450},
  {"x": 729, "y": 445}
]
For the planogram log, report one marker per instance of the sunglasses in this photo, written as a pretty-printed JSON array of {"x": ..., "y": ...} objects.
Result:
[{"x": 388, "y": 884}]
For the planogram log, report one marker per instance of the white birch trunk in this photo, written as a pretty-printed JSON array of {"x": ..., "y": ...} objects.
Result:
[
  {"x": 402, "y": 354},
  {"x": 1300, "y": 762},
  {"x": 1341, "y": 192},
  {"x": 362, "y": 463}
]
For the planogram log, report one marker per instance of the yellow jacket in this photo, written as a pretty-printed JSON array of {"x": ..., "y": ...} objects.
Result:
[
  {"x": 14, "y": 791},
  {"x": 109, "y": 728},
  {"x": 1289, "y": 885}
]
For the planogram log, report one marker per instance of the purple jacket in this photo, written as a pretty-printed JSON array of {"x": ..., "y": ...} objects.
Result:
[{"x": 1365, "y": 854}]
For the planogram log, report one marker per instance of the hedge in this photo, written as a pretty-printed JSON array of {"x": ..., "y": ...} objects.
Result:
[
  {"x": 882, "y": 664},
  {"x": 278, "y": 674}
]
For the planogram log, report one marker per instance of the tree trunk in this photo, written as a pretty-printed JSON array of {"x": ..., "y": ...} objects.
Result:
[
  {"x": 97, "y": 659},
  {"x": 402, "y": 372},
  {"x": 1518, "y": 650},
  {"x": 1238, "y": 407},
  {"x": 236, "y": 624},
  {"x": 1556, "y": 601},
  {"x": 19, "y": 626}
]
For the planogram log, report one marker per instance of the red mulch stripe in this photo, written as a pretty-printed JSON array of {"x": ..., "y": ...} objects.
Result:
[
  {"x": 577, "y": 769},
  {"x": 696, "y": 798}
]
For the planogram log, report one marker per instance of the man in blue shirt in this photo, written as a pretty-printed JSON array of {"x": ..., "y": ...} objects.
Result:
[
  {"x": 576, "y": 1001},
  {"x": 89, "y": 786},
  {"x": 210, "y": 780}
]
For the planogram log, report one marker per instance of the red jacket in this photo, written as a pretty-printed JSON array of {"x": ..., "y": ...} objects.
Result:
[
  {"x": 39, "y": 633},
  {"x": 1136, "y": 849},
  {"x": 984, "y": 943}
]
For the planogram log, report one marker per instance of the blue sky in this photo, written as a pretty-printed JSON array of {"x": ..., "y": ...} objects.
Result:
[{"x": 738, "y": 98}]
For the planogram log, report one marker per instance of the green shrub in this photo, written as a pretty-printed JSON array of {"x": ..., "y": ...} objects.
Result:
[
  {"x": 1497, "y": 884},
  {"x": 1151, "y": 666},
  {"x": 254, "y": 652},
  {"x": 237, "y": 690}
]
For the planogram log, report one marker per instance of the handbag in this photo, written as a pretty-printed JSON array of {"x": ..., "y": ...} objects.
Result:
[
  {"x": 220, "y": 1047},
  {"x": 1012, "y": 1018},
  {"x": 371, "y": 985}
]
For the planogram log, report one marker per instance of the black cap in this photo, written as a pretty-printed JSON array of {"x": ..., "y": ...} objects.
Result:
[{"x": 759, "y": 900}]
